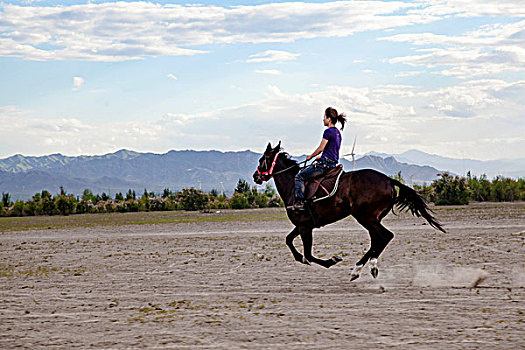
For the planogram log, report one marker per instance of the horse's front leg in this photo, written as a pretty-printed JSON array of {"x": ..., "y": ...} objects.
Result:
[
  {"x": 289, "y": 242},
  {"x": 307, "y": 238}
]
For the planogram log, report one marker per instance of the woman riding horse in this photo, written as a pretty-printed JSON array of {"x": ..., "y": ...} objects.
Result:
[
  {"x": 330, "y": 145},
  {"x": 367, "y": 195}
]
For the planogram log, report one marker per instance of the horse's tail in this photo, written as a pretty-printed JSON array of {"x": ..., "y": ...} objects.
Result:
[{"x": 408, "y": 199}]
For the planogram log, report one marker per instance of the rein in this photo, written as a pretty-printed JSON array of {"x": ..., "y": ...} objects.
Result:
[
  {"x": 293, "y": 166},
  {"x": 270, "y": 171}
]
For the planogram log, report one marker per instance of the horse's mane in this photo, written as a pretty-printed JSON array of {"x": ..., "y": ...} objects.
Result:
[{"x": 287, "y": 158}]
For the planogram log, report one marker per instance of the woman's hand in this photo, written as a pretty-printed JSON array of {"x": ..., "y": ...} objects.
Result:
[{"x": 311, "y": 156}]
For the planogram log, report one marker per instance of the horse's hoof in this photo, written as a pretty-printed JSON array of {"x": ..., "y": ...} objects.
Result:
[
  {"x": 355, "y": 272},
  {"x": 373, "y": 267},
  {"x": 305, "y": 261},
  {"x": 336, "y": 259}
]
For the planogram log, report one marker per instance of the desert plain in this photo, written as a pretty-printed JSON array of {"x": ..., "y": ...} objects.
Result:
[{"x": 226, "y": 279}]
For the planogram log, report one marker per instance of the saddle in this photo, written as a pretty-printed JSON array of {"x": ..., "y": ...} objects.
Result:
[{"x": 323, "y": 186}]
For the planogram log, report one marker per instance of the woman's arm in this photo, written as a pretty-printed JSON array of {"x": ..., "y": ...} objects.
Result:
[{"x": 319, "y": 149}]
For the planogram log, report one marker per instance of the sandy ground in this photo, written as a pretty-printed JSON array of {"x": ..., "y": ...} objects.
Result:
[{"x": 235, "y": 285}]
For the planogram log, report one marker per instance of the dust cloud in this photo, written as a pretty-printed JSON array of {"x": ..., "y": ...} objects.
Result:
[{"x": 447, "y": 276}]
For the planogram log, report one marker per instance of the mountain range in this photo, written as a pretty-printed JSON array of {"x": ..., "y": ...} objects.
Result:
[
  {"x": 514, "y": 168},
  {"x": 23, "y": 176}
]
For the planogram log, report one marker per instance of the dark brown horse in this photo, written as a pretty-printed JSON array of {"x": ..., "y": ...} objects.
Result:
[{"x": 367, "y": 195}]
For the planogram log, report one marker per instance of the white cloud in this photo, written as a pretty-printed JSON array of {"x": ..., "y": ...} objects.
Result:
[
  {"x": 118, "y": 31},
  {"x": 77, "y": 83},
  {"x": 409, "y": 74},
  {"x": 176, "y": 119},
  {"x": 171, "y": 76},
  {"x": 490, "y": 50},
  {"x": 268, "y": 71},
  {"x": 471, "y": 8},
  {"x": 74, "y": 137},
  {"x": 272, "y": 56},
  {"x": 11, "y": 111},
  {"x": 471, "y": 118},
  {"x": 132, "y": 30}
]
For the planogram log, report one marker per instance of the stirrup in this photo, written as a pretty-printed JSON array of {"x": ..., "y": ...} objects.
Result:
[{"x": 298, "y": 205}]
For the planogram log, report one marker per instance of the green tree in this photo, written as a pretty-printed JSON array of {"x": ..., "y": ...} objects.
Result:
[
  {"x": 242, "y": 186},
  {"x": 130, "y": 195},
  {"x": 450, "y": 190},
  {"x": 96, "y": 199},
  {"x": 239, "y": 201},
  {"x": 261, "y": 200},
  {"x": 398, "y": 177},
  {"x": 6, "y": 200},
  {"x": 504, "y": 189},
  {"x": 256, "y": 199},
  {"x": 30, "y": 208},
  {"x": 18, "y": 209},
  {"x": 144, "y": 201},
  {"x": 167, "y": 193},
  {"x": 425, "y": 191},
  {"x": 269, "y": 191},
  {"x": 213, "y": 194},
  {"x": 192, "y": 199},
  {"x": 479, "y": 188},
  {"x": 88, "y": 195},
  {"x": 48, "y": 204},
  {"x": 65, "y": 204},
  {"x": 34, "y": 206},
  {"x": 521, "y": 188}
]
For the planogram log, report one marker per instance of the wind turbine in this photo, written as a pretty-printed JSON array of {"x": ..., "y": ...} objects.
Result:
[{"x": 352, "y": 154}]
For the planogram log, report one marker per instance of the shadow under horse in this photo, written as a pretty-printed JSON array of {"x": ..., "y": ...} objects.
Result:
[{"x": 367, "y": 195}]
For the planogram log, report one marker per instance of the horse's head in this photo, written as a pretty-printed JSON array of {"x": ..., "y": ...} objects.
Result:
[{"x": 266, "y": 164}]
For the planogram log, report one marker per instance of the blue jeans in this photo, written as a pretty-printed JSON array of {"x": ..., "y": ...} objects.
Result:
[{"x": 314, "y": 170}]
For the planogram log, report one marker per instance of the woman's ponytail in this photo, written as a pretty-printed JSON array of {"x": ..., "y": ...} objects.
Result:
[
  {"x": 341, "y": 118},
  {"x": 335, "y": 117}
]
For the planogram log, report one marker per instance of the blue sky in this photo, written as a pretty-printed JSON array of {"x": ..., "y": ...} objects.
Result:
[{"x": 93, "y": 77}]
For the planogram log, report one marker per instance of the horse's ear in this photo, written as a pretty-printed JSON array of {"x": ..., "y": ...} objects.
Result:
[
  {"x": 278, "y": 147},
  {"x": 269, "y": 147}
]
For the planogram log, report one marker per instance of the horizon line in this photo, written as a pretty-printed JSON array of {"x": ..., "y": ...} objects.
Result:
[{"x": 380, "y": 154}]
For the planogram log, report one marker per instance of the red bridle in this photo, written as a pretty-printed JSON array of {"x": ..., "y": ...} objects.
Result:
[{"x": 270, "y": 171}]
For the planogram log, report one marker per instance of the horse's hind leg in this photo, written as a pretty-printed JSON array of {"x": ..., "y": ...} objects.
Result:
[
  {"x": 385, "y": 237},
  {"x": 361, "y": 263},
  {"x": 379, "y": 239},
  {"x": 307, "y": 238}
]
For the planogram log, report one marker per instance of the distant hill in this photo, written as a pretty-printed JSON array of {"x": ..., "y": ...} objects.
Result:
[
  {"x": 507, "y": 167},
  {"x": 412, "y": 174},
  {"x": 23, "y": 176}
]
